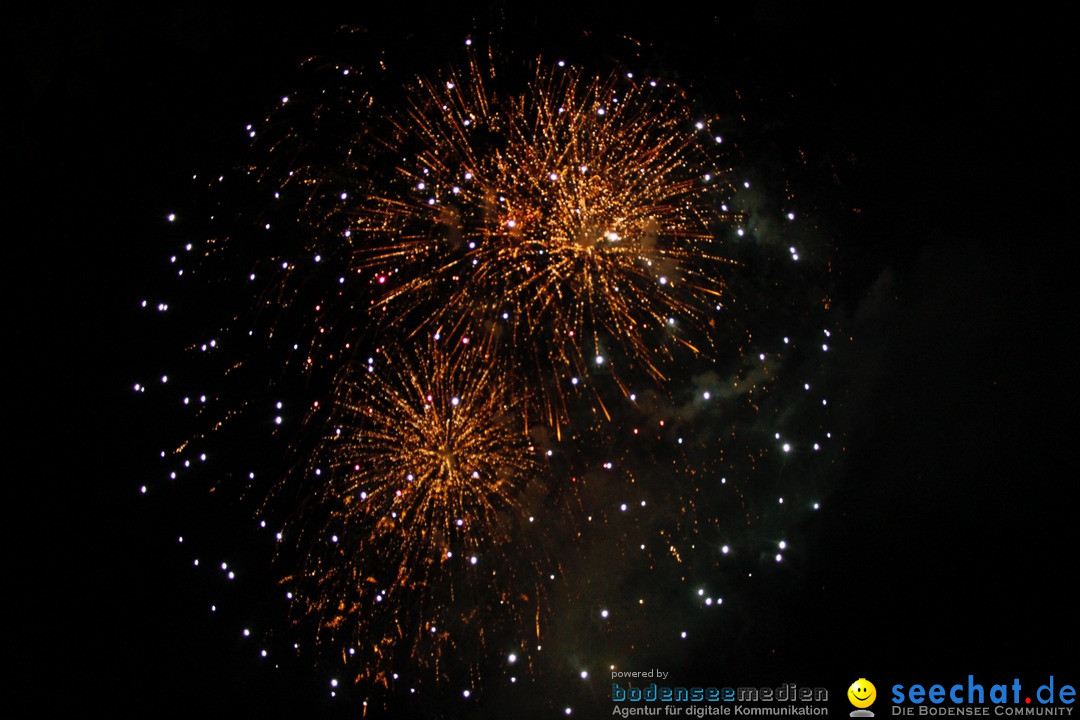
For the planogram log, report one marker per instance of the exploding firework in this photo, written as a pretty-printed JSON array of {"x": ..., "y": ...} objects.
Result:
[
  {"x": 571, "y": 225},
  {"x": 563, "y": 374},
  {"x": 423, "y": 479}
]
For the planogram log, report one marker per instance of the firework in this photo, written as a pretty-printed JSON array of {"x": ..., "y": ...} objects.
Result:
[
  {"x": 424, "y": 477},
  {"x": 570, "y": 223},
  {"x": 459, "y": 276}
]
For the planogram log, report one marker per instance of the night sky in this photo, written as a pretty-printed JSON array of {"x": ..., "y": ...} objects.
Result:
[{"x": 942, "y": 155}]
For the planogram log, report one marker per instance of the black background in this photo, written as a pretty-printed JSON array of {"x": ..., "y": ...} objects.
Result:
[{"x": 949, "y": 546}]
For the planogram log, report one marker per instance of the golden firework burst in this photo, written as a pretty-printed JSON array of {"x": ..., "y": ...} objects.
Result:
[
  {"x": 572, "y": 222},
  {"x": 420, "y": 483}
]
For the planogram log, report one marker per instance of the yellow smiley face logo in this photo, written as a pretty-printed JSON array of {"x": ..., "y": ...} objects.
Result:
[{"x": 862, "y": 693}]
